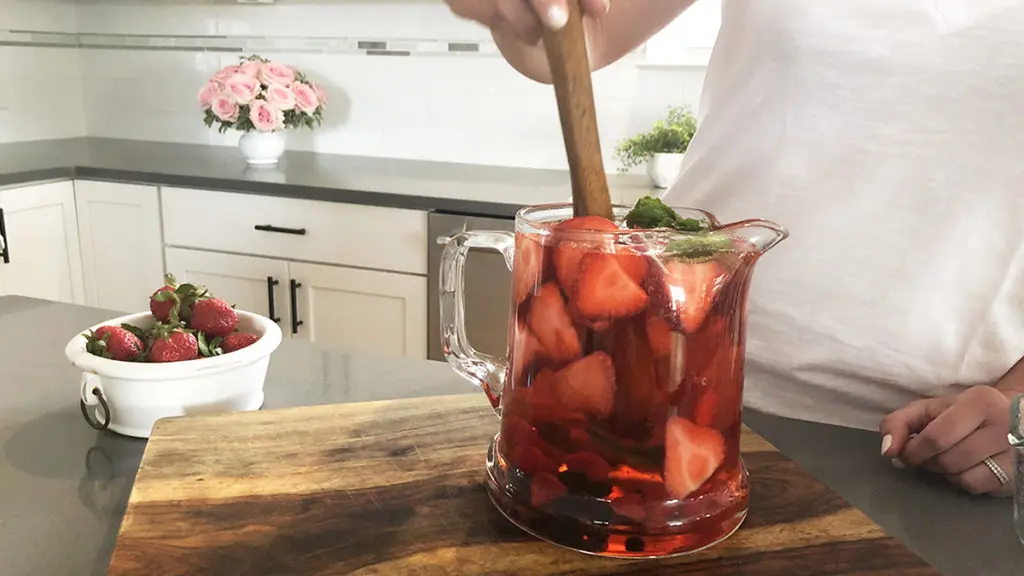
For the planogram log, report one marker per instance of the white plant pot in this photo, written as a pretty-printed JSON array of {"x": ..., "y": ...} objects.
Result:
[
  {"x": 664, "y": 169},
  {"x": 261, "y": 148},
  {"x": 137, "y": 394}
]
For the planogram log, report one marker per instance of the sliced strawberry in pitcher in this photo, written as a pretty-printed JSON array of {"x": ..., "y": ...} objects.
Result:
[
  {"x": 588, "y": 464},
  {"x": 526, "y": 349},
  {"x": 531, "y": 459},
  {"x": 660, "y": 336},
  {"x": 588, "y": 385},
  {"x": 719, "y": 401},
  {"x": 630, "y": 507},
  {"x": 544, "y": 488},
  {"x": 569, "y": 252},
  {"x": 543, "y": 397},
  {"x": 514, "y": 432},
  {"x": 549, "y": 319},
  {"x": 529, "y": 266},
  {"x": 583, "y": 323},
  {"x": 692, "y": 454},
  {"x": 690, "y": 288},
  {"x": 632, "y": 263},
  {"x": 605, "y": 289}
]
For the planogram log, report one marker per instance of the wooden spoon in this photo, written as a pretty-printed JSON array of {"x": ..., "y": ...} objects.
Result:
[{"x": 570, "y": 70}]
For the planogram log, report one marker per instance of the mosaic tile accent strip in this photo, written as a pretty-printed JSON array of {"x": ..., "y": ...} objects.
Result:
[
  {"x": 249, "y": 44},
  {"x": 368, "y": 46}
]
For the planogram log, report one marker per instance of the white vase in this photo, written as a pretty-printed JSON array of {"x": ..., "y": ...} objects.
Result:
[
  {"x": 664, "y": 169},
  {"x": 261, "y": 148}
]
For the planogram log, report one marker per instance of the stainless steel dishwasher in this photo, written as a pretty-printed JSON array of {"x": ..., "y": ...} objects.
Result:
[{"x": 488, "y": 285}]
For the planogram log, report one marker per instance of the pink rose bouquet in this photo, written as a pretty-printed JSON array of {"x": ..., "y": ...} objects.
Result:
[{"x": 262, "y": 96}]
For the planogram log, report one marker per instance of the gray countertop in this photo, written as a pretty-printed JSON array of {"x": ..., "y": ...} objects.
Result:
[
  {"x": 449, "y": 187},
  {"x": 65, "y": 486}
]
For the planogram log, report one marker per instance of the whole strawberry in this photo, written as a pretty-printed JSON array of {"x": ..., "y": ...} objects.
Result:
[
  {"x": 173, "y": 302},
  {"x": 171, "y": 343},
  {"x": 114, "y": 342},
  {"x": 237, "y": 341},
  {"x": 162, "y": 302},
  {"x": 214, "y": 317}
]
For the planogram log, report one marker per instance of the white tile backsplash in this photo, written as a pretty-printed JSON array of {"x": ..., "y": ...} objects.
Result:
[
  {"x": 465, "y": 108},
  {"x": 40, "y": 93},
  {"x": 45, "y": 15}
]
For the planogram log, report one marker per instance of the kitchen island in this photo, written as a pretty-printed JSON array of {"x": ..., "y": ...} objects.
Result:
[{"x": 66, "y": 486}]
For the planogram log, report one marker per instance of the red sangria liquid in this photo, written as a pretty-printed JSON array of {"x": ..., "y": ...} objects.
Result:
[{"x": 621, "y": 406}]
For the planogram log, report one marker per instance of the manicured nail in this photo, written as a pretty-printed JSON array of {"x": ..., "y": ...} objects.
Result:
[
  {"x": 886, "y": 443},
  {"x": 607, "y": 6},
  {"x": 896, "y": 462},
  {"x": 556, "y": 17}
]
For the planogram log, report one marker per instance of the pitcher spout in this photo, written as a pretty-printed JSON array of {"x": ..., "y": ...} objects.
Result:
[{"x": 763, "y": 235}]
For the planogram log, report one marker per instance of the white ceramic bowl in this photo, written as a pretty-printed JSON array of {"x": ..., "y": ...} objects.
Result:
[{"x": 137, "y": 394}]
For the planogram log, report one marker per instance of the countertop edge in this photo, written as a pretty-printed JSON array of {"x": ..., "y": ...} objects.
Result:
[
  {"x": 298, "y": 191},
  {"x": 447, "y": 187}
]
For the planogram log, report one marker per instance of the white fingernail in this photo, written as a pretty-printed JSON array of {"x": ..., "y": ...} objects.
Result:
[
  {"x": 886, "y": 443},
  {"x": 896, "y": 462},
  {"x": 607, "y": 6},
  {"x": 556, "y": 17}
]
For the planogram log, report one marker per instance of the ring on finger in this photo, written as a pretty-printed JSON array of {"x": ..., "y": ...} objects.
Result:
[{"x": 997, "y": 471}]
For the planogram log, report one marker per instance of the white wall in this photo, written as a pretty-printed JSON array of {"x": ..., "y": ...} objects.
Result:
[
  {"x": 40, "y": 86},
  {"x": 142, "y": 63}
]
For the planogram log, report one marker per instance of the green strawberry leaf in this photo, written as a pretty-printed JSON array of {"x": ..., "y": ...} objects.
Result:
[
  {"x": 215, "y": 346},
  {"x": 208, "y": 348},
  {"x": 165, "y": 296},
  {"x": 138, "y": 332},
  {"x": 97, "y": 346}
]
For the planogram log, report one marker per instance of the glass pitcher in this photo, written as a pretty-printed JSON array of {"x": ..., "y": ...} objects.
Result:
[
  {"x": 621, "y": 392},
  {"x": 1016, "y": 438}
]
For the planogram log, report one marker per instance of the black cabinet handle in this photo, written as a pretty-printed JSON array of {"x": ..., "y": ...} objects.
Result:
[
  {"x": 271, "y": 304},
  {"x": 269, "y": 228},
  {"x": 6, "y": 253},
  {"x": 295, "y": 285}
]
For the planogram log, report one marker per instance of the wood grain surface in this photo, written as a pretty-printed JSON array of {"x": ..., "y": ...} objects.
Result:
[
  {"x": 398, "y": 487},
  {"x": 574, "y": 92}
]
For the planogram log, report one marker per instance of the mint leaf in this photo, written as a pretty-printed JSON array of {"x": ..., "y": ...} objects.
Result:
[
  {"x": 650, "y": 213},
  {"x": 698, "y": 247}
]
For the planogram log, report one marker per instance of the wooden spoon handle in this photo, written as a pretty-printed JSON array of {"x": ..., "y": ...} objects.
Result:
[{"x": 570, "y": 70}]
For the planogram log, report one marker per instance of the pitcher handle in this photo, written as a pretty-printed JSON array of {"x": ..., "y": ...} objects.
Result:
[{"x": 484, "y": 370}]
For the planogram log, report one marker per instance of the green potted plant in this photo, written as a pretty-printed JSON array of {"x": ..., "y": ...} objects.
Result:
[{"x": 662, "y": 147}]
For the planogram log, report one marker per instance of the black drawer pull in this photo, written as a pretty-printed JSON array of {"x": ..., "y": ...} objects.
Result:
[
  {"x": 271, "y": 304},
  {"x": 295, "y": 306},
  {"x": 269, "y": 228},
  {"x": 5, "y": 254}
]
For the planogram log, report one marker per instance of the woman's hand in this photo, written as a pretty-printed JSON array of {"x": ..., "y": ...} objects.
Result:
[
  {"x": 953, "y": 435},
  {"x": 522, "y": 19}
]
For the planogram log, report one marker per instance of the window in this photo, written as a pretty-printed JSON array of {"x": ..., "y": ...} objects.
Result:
[{"x": 688, "y": 40}]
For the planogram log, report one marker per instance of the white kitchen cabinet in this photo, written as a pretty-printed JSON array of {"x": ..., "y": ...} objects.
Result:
[
  {"x": 250, "y": 283},
  {"x": 390, "y": 239},
  {"x": 122, "y": 244},
  {"x": 361, "y": 310},
  {"x": 359, "y": 272},
  {"x": 42, "y": 239}
]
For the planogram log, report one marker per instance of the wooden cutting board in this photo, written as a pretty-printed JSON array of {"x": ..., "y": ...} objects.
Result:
[{"x": 397, "y": 487}]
